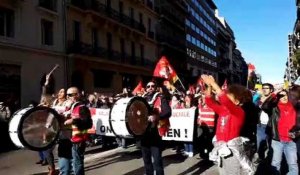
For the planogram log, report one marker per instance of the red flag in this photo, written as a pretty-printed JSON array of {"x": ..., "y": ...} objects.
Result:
[
  {"x": 224, "y": 86},
  {"x": 251, "y": 70},
  {"x": 201, "y": 84},
  {"x": 192, "y": 90},
  {"x": 163, "y": 69},
  {"x": 251, "y": 67},
  {"x": 138, "y": 88}
]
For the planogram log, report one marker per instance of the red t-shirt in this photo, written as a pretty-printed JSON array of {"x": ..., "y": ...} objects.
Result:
[
  {"x": 286, "y": 120},
  {"x": 231, "y": 117}
]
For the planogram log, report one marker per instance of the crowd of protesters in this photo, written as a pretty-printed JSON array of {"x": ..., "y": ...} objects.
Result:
[{"x": 237, "y": 128}]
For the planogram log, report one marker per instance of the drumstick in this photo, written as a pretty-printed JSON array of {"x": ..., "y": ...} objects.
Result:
[
  {"x": 55, "y": 67},
  {"x": 48, "y": 75}
]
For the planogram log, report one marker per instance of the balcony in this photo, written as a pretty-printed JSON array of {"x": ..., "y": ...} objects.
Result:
[
  {"x": 178, "y": 20},
  {"x": 181, "y": 4},
  {"x": 48, "y": 4},
  {"x": 173, "y": 41},
  {"x": 106, "y": 54},
  {"x": 109, "y": 12}
]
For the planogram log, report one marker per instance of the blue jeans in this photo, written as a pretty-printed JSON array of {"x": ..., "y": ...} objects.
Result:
[
  {"x": 155, "y": 152},
  {"x": 290, "y": 151},
  {"x": 64, "y": 165},
  {"x": 261, "y": 139},
  {"x": 42, "y": 155},
  {"x": 188, "y": 147},
  {"x": 78, "y": 158}
]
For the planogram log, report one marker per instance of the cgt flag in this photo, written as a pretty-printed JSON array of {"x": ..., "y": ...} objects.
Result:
[
  {"x": 163, "y": 69},
  {"x": 201, "y": 84},
  {"x": 138, "y": 89}
]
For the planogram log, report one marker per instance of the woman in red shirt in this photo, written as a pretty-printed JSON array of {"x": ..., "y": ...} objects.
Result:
[
  {"x": 228, "y": 145},
  {"x": 282, "y": 120}
]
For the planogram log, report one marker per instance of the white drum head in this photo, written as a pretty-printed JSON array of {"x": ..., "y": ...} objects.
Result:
[
  {"x": 37, "y": 129},
  {"x": 129, "y": 117}
]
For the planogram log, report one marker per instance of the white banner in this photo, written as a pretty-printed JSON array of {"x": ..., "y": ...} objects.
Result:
[
  {"x": 101, "y": 122},
  {"x": 182, "y": 125},
  {"x": 181, "y": 121}
]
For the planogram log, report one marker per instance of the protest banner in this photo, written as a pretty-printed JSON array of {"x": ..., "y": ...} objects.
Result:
[
  {"x": 181, "y": 121},
  {"x": 101, "y": 122},
  {"x": 182, "y": 124}
]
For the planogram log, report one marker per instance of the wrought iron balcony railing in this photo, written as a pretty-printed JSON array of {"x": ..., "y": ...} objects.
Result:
[
  {"x": 48, "y": 4},
  {"x": 78, "y": 47},
  {"x": 109, "y": 12}
]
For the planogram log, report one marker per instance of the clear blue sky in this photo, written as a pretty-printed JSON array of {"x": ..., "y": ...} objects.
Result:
[{"x": 261, "y": 29}]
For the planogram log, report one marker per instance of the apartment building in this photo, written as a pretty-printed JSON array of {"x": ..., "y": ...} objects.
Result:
[
  {"x": 111, "y": 44},
  {"x": 31, "y": 43},
  {"x": 171, "y": 34},
  {"x": 201, "y": 38}
]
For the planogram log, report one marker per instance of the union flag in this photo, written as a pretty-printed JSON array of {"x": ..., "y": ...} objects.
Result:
[
  {"x": 192, "y": 89},
  {"x": 201, "y": 84},
  {"x": 163, "y": 69},
  {"x": 138, "y": 88}
]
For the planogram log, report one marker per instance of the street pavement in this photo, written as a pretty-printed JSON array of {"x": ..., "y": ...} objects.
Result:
[{"x": 116, "y": 161}]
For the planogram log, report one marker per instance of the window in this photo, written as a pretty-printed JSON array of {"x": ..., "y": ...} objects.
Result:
[
  {"x": 193, "y": 26},
  {"x": 142, "y": 48},
  {"x": 108, "y": 4},
  {"x": 149, "y": 24},
  {"x": 132, "y": 52},
  {"x": 48, "y": 4},
  {"x": 122, "y": 49},
  {"x": 121, "y": 5},
  {"x": 198, "y": 44},
  {"x": 194, "y": 40},
  {"x": 76, "y": 31},
  {"x": 197, "y": 30},
  {"x": 141, "y": 18},
  {"x": 131, "y": 11},
  {"x": 95, "y": 38},
  {"x": 47, "y": 32},
  {"x": 7, "y": 27},
  {"x": 188, "y": 37},
  {"x": 187, "y": 22},
  {"x": 109, "y": 43}
]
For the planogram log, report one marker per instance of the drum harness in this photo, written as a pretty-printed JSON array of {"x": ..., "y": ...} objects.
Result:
[{"x": 151, "y": 103}]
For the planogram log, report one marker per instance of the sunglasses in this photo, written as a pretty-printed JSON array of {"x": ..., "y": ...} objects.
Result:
[
  {"x": 72, "y": 94},
  {"x": 148, "y": 86}
]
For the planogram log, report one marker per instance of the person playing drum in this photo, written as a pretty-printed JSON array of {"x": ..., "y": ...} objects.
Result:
[
  {"x": 151, "y": 142},
  {"x": 81, "y": 121}
]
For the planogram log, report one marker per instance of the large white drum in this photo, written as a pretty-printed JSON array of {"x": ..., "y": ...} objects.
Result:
[
  {"x": 129, "y": 117},
  {"x": 34, "y": 128}
]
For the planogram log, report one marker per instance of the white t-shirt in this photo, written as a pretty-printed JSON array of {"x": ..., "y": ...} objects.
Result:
[{"x": 264, "y": 118}]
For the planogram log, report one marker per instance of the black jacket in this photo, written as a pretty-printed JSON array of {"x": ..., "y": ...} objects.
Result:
[
  {"x": 270, "y": 107},
  {"x": 151, "y": 137}
]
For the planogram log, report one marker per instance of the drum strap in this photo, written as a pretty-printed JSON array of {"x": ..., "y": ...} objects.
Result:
[
  {"x": 74, "y": 105},
  {"x": 153, "y": 98}
]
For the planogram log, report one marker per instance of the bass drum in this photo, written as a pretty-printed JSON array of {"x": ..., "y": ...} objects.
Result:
[
  {"x": 34, "y": 128},
  {"x": 129, "y": 117}
]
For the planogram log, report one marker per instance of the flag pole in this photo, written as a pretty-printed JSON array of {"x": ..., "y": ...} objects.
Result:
[{"x": 181, "y": 84}]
